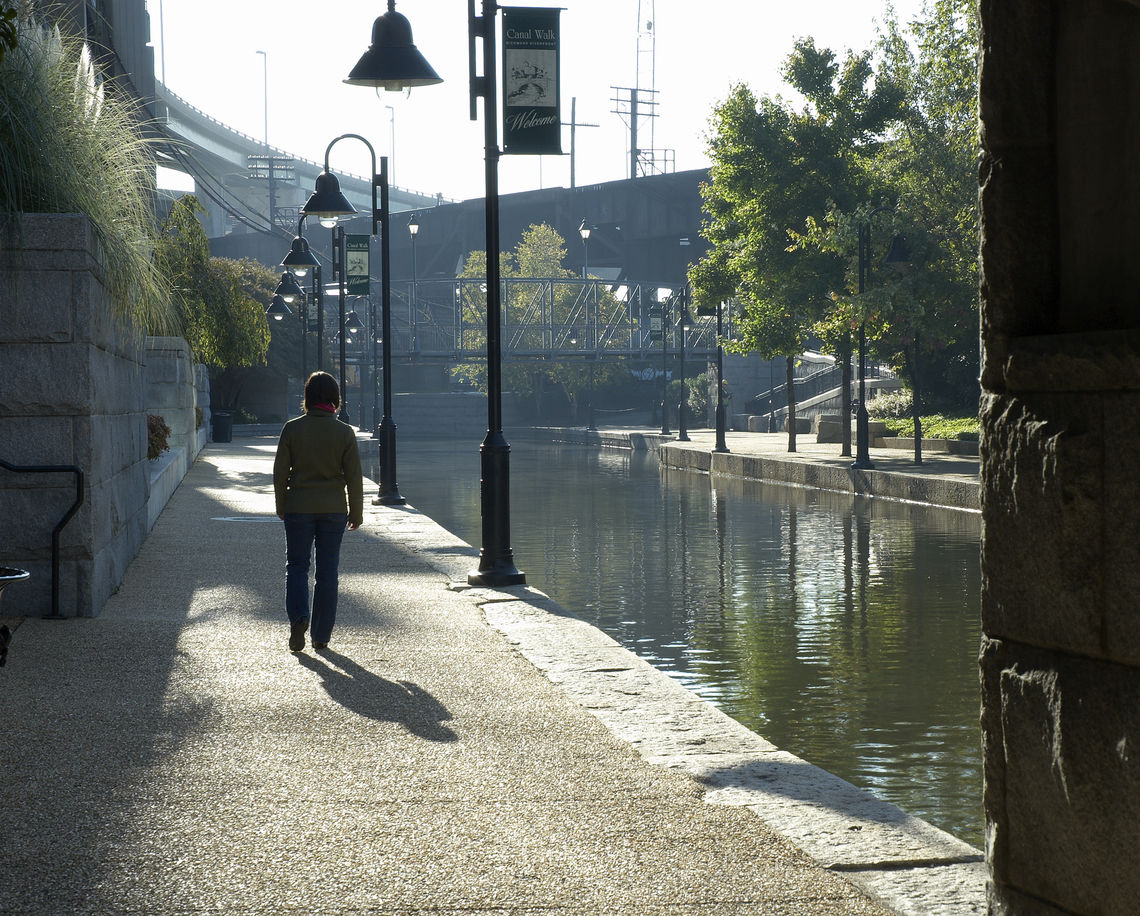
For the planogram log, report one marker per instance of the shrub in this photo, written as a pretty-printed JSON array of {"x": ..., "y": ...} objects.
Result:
[
  {"x": 66, "y": 146},
  {"x": 157, "y": 434},
  {"x": 936, "y": 426},
  {"x": 894, "y": 405}
]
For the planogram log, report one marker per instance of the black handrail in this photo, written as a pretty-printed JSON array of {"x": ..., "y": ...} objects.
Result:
[{"x": 54, "y": 469}]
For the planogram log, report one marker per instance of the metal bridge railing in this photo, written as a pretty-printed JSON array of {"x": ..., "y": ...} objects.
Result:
[{"x": 549, "y": 318}]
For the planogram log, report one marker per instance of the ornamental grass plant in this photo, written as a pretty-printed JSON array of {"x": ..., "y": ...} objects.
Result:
[{"x": 72, "y": 144}]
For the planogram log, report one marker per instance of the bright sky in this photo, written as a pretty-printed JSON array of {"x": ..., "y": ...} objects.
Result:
[{"x": 701, "y": 49}]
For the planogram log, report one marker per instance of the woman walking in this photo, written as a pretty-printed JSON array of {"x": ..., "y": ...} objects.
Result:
[{"x": 320, "y": 491}]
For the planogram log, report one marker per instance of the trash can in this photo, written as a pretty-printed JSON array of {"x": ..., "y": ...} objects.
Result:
[{"x": 222, "y": 422}]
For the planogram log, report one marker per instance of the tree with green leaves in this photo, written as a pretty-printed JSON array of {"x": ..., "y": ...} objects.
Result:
[
  {"x": 221, "y": 302},
  {"x": 773, "y": 171},
  {"x": 932, "y": 164},
  {"x": 922, "y": 322}
]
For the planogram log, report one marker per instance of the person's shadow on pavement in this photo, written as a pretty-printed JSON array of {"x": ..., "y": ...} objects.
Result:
[{"x": 360, "y": 691}]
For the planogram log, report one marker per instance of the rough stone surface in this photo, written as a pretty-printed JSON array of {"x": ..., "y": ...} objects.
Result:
[
  {"x": 1066, "y": 764},
  {"x": 1060, "y": 85},
  {"x": 82, "y": 392}
]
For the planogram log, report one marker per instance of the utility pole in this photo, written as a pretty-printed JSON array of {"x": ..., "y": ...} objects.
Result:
[{"x": 574, "y": 125}]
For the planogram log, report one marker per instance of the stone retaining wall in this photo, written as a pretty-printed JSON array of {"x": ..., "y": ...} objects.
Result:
[{"x": 73, "y": 393}]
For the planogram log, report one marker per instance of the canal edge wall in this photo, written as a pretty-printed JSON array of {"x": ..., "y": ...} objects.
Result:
[
  {"x": 906, "y": 864},
  {"x": 927, "y": 489}
]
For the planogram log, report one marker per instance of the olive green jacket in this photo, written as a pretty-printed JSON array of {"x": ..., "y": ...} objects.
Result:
[{"x": 317, "y": 462}]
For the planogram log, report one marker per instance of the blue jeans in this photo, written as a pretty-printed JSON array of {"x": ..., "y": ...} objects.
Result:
[{"x": 302, "y": 531}]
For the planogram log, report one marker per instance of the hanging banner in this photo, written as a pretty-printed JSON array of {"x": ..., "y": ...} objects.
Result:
[
  {"x": 532, "y": 118},
  {"x": 356, "y": 265}
]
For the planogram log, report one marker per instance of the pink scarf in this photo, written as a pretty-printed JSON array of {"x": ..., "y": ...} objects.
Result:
[{"x": 331, "y": 408}]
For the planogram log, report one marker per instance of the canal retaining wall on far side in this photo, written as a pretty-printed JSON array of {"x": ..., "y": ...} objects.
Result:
[{"x": 944, "y": 482}]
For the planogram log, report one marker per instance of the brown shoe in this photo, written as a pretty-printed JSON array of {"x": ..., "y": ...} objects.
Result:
[{"x": 297, "y": 634}]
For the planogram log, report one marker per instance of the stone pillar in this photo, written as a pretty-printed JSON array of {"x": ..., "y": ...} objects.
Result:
[
  {"x": 1060, "y": 290},
  {"x": 71, "y": 393}
]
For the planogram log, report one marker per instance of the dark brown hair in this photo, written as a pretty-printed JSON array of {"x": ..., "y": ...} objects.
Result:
[{"x": 321, "y": 388}]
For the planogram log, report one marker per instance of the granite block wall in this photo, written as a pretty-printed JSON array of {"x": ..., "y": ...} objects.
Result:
[{"x": 72, "y": 392}]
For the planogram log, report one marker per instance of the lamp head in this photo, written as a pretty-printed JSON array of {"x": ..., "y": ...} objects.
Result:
[
  {"x": 413, "y": 226},
  {"x": 326, "y": 202},
  {"x": 277, "y": 308},
  {"x": 392, "y": 62},
  {"x": 288, "y": 289},
  {"x": 352, "y": 325},
  {"x": 300, "y": 259},
  {"x": 898, "y": 255},
  {"x": 584, "y": 231}
]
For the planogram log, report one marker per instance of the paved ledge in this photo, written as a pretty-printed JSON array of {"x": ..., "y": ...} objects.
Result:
[
  {"x": 903, "y": 862},
  {"x": 942, "y": 480}
]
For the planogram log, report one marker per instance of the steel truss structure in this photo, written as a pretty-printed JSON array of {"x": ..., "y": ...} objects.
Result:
[{"x": 547, "y": 319}]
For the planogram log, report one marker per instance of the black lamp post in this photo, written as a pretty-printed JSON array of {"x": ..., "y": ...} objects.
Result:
[
  {"x": 720, "y": 445},
  {"x": 328, "y": 204},
  {"x": 413, "y": 231},
  {"x": 665, "y": 431},
  {"x": 590, "y": 355},
  {"x": 896, "y": 256},
  {"x": 584, "y": 232},
  {"x": 354, "y": 334},
  {"x": 297, "y": 263},
  {"x": 393, "y": 63},
  {"x": 496, "y": 559},
  {"x": 684, "y": 322}
]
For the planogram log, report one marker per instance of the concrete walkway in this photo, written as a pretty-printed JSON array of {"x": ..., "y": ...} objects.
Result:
[{"x": 454, "y": 751}]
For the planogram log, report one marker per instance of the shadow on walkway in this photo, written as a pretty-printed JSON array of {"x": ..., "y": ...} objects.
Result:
[{"x": 367, "y": 694}]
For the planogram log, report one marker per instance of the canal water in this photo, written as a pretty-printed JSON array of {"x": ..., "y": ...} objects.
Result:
[{"x": 844, "y": 630}]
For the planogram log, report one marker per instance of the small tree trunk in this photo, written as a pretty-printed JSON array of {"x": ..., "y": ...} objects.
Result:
[
  {"x": 791, "y": 403},
  {"x": 845, "y": 403},
  {"x": 916, "y": 403}
]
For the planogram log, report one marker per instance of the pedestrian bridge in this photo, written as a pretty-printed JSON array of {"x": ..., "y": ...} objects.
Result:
[{"x": 540, "y": 319}]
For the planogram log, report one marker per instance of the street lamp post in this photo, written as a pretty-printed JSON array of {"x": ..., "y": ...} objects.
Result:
[
  {"x": 338, "y": 271},
  {"x": 393, "y": 63},
  {"x": 268, "y": 151},
  {"x": 665, "y": 431},
  {"x": 328, "y": 204},
  {"x": 297, "y": 263},
  {"x": 290, "y": 291},
  {"x": 372, "y": 341},
  {"x": 496, "y": 559},
  {"x": 584, "y": 232},
  {"x": 720, "y": 445},
  {"x": 353, "y": 333},
  {"x": 684, "y": 322},
  {"x": 413, "y": 231}
]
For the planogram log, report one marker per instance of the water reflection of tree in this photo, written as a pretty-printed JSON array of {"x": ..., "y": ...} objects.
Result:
[{"x": 840, "y": 627}]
